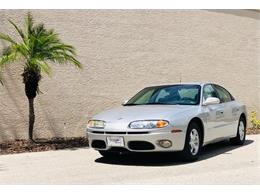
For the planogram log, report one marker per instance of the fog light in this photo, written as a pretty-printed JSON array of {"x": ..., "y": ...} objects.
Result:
[{"x": 165, "y": 143}]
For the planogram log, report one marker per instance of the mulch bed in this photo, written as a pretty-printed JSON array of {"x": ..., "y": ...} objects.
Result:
[
  {"x": 251, "y": 131},
  {"x": 21, "y": 145}
]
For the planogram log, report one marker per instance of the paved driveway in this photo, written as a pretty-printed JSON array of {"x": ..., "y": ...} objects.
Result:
[{"x": 219, "y": 164}]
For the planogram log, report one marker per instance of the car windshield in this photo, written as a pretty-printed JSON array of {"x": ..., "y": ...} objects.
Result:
[{"x": 167, "y": 95}]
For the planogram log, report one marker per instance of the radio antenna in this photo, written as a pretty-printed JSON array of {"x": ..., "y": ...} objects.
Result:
[{"x": 180, "y": 77}]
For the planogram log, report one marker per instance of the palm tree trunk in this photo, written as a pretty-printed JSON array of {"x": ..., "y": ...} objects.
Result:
[{"x": 31, "y": 118}]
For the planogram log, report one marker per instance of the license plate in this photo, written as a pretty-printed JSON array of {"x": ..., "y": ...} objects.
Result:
[{"x": 115, "y": 141}]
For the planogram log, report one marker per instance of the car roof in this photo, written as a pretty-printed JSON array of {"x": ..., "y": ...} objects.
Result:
[{"x": 185, "y": 83}]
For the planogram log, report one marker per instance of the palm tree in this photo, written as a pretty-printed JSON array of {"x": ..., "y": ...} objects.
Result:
[{"x": 37, "y": 47}]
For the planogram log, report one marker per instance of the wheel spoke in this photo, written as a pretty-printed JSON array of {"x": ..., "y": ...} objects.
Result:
[
  {"x": 241, "y": 130},
  {"x": 194, "y": 141}
]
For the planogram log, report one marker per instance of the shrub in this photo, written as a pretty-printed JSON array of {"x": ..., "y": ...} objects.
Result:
[{"x": 255, "y": 122}]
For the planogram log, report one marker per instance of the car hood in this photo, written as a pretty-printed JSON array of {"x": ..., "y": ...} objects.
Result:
[{"x": 121, "y": 117}]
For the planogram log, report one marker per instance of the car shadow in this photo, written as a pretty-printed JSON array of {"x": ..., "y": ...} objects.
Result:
[{"x": 170, "y": 158}]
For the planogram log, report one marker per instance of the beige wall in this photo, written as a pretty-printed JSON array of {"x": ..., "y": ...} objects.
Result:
[{"x": 126, "y": 50}]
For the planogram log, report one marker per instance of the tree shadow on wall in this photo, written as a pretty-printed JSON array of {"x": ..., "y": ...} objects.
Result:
[
  {"x": 52, "y": 126},
  {"x": 12, "y": 89}
]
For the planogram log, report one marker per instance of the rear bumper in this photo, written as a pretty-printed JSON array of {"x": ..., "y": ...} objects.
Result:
[{"x": 141, "y": 142}]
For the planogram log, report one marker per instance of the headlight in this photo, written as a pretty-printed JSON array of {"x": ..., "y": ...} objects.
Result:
[
  {"x": 96, "y": 124},
  {"x": 148, "y": 124}
]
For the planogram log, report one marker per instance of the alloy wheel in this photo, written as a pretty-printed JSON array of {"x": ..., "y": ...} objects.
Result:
[
  {"x": 194, "y": 141},
  {"x": 241, "y": 130}
]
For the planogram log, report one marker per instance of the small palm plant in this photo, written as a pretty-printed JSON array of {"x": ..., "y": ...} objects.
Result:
[{"x": 38, "y": 47}]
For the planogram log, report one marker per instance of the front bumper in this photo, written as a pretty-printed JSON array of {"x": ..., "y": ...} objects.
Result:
[{"x": 151, "y": 138}]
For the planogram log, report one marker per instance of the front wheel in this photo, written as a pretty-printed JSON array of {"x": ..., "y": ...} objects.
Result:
[
  {"x": 193, "y": 142},
  {"x": 241, "y": 133}
]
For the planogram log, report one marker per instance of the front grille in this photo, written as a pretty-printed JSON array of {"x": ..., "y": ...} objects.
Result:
[
  {"x": 141, "y": 132},
  {"x": 119, "y": 132},
  {"x": 112, "y": 132},
  {"x": 140, "y": 145},
  {"x": 97, "y": 132}
]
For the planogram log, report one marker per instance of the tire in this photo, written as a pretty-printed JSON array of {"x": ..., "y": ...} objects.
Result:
[
  {"x": 241, "y": 132},
  {"x": 192, "y": 148},
  {"x": 109, "y": 154}
]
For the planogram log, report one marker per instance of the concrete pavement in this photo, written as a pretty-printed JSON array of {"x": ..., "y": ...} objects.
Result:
[{"x": 219, "y": 164}]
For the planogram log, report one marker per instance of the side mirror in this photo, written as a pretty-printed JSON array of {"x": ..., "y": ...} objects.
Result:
[
  {"x": 211, "y": 101},
  {"x": 124, "y": 102}
]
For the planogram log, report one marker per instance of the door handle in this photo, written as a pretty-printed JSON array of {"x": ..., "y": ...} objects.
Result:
[
  {"x": 235, "y": 110},
  {"x": 220, "y": 112}
]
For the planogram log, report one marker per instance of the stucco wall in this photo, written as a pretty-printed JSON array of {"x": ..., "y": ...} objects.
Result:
[{"x": 125, "y": 50}]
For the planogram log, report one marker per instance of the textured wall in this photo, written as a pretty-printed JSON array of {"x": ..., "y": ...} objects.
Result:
[{"x": 124, "y": 51}]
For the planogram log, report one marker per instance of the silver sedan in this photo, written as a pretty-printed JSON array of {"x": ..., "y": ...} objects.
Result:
[{"x": 166, "y": 118}]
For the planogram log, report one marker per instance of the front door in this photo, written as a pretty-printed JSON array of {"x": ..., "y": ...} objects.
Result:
[{"x": 214, "y": 115}]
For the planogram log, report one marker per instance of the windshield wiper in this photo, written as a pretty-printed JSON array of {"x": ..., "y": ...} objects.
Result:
[
  {"x": 157, "y": 103},
  {"x": 151, "y": 103},
  {"x": 130, "y": 104}
]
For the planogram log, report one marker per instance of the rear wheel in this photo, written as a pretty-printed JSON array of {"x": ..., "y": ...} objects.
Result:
[
  {"x": 241, "y": 133},
  {"x": 193, "y": 143}
]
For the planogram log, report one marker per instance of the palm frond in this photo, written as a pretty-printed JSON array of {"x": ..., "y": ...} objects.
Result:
[
  {"x": 22, "y": 49},
  {"x": 43, "y": 66},
  {"x": 29, "y": 23},
  {"x": 9, "y": 55},
  {"x": 39, "y": 30},
  {"x": 62, "y": 57},
  {"x": 7, "y": 38},
  {"x": 64, "y": 48},
  {"x": 1, "y": 79},
  {"x": 19, "y": 30}
]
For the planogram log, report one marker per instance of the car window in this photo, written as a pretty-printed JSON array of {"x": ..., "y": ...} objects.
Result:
[
  {"x": 209, "y": 91},
  {"x": 174, "y": 94},
  {"x": 161, "y": 94},
  {"x": 165, "y": 95},
  {"x": 145, "y": 97},
  {"x": 224, "y": 95},
  {"x": 189, "y": 94},
  {"x": 178, "y": 95}
]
